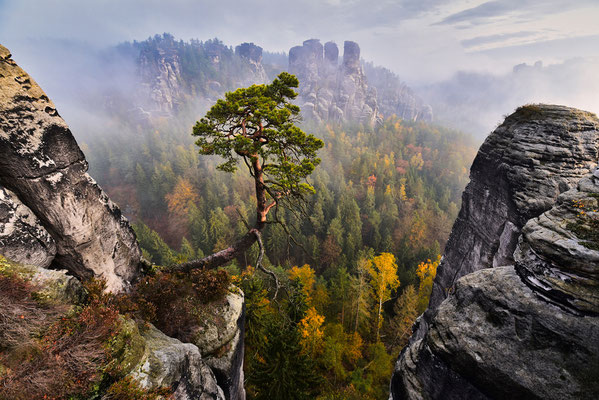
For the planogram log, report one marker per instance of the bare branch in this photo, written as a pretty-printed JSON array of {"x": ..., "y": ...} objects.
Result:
[{"x": 261, "y": 267}]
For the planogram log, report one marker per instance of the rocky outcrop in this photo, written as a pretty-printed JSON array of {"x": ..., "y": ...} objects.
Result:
[
  {"x": 220, "y": 340},
  {"x": 173, "y": 74},
  {"x": 350, "y": 92},
  {"x": 166, "y": 362},
  {"x": 329, "y": 91},
  {"x": 161, "y": 78},
  {"x": 22, "y": 237},
  {"x": 538, "y": 152},
  {"x": 558, "y": 252},
  {"x": 252, "y": 54},
  {"x": 496, "y": 338},
  {"x": 523, "y": 323},
  {"x": 43, "y": 166}
]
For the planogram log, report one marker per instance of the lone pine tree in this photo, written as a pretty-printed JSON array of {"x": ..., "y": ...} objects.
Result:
[{"x": 258, "y": 126}]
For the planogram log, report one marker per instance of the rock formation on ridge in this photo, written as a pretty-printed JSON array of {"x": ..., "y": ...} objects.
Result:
[
  {"x": 523, "y": 321},
  {"x": 346, "y": 92},
  {"x": 332, "y": 92},
  {"x": 173, "y": 73},
  {"x": 43, "y": 166},
  {"x": 252, "y": 54}
]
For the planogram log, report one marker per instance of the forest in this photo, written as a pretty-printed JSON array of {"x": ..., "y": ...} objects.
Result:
[{"x": 355, "y": 266}]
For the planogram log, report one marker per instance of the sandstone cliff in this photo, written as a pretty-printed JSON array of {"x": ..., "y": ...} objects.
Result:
[
  {"x": 173, "y": 73},
  {"x": 523, "y": 320},
  {"x": 43, "y": 166},
  {"x": 53, "y": 215},
  {"x": 331, "y": 91}
]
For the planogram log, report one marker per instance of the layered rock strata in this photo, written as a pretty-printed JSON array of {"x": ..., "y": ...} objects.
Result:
[
  {"x": 334, "y": 91},
  {"x": 525, "y": 325},
  {"x": 538, "y": 152},
  {"x": 43, "y": 165}
]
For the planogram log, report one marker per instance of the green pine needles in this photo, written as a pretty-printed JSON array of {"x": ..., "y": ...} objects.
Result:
[{"x": 257, "y": 124}]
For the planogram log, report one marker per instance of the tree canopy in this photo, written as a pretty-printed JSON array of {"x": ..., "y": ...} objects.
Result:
[{"x": 257, "y": 125}]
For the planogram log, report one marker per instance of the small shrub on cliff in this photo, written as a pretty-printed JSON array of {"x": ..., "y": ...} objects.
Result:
[
  {"x": 586, "y": 226},
  {"x": 171, "y": 300},
  {"x": 47, "y": 352}
]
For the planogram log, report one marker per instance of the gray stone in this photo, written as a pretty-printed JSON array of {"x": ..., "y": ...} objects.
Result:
[
  {"x": 43, "y": 165},
  {"x": 166, "y": 362},
  {"x": 220, "y": 340},
  {"x": 499, "y": 336},
  {"x": 539, "y": 152},
  {"x": 22, "y": 237},
  {"x": 554, "y": 255},
  {"x": 529, "y": 329}
]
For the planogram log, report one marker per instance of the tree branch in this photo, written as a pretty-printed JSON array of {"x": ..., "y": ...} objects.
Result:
[{"x": 261, "y": 267}]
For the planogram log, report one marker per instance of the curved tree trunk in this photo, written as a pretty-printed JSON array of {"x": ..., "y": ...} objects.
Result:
[{"x": 224, "y": 256}]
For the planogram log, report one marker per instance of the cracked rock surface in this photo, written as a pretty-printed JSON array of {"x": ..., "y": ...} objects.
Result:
[
  {"x": 521, "y": 317},
  {"x": 522, "y": 167},
  {"x": 22, "y": 237},
  {"x": 44, "y": 167}
]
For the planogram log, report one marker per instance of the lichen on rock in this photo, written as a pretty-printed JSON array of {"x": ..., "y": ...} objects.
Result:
[{"x": 44, "y": 167}]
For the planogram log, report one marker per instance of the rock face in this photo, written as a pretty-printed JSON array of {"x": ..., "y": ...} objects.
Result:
[
  {"x": 43, "y": 166},
  {"x": 160, "y": 73},
  {"x": 345, "y": 93},
  {"x": 523, "y": 323},
  {"x": 220, "y": 340},
  {"x": 174, "y": 73},
  {"x": 22, "y": 237},
  {"x": 166, "y": 362},
  {"x": 332, "y": 92},
  {"x": 539, "y": 152},
  {"x": 252, "y": 55}
]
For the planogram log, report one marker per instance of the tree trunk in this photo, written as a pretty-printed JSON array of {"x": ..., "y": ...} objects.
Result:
[{"x": 230, "y": 253}]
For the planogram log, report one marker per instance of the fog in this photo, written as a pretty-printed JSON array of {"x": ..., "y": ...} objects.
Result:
[
  {"x": 476, "y": 102},
  {"x": 458, "y": 55}
]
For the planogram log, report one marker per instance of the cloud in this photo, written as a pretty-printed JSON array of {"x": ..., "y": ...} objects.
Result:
[
  {"x": 498, "y": 38},
  {"x": 398, "y": 34},
  {"x": 490, "y": 11}
]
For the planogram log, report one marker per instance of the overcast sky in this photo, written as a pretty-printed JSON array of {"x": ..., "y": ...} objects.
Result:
[{"x": 422, "y": 40}]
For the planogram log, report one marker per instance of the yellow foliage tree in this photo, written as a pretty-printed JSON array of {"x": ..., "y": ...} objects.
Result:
[
  {"x": 312, "y": 334},
  {"x": 179, "y": 199},
  {"x": 426, "y": 272},
  {"x": 382, "y": 270},
  {"x": 307, "y": 277}
]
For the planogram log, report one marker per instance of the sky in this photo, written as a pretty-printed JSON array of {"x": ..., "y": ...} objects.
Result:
[
  {"x": 422, "y": 40},
  {"x": 430, "y": 44}
]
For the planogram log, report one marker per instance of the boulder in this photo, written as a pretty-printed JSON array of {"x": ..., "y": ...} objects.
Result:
[
  {"x": 166, "y": 362},
  {"x": 43, "y": 165},
  {"x": 496, "y": 338},
  {"x": 220, "y": 340}
]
